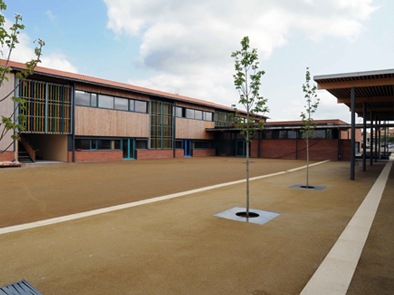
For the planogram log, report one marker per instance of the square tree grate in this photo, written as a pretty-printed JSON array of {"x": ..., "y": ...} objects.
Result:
[
  {"x": 263, "y": 216},
  {"x": 19, "y": 288},
  {"x": 310, "y": 187}
]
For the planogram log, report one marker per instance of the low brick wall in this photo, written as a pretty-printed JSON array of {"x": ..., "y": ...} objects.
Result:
[
  {"x": 95, "y": 156},
  {"x": 277, "y": 148},
  {"x": 254, "y": 148},
  {"x": 179, "y": 153},
  {"x": 319, "y": 149},
  {"x": 346, "y": 145},
  {"x": 154, "y": 154},
  {"x": 204, "y": 153},
  {"x": 7, "y": 156}
]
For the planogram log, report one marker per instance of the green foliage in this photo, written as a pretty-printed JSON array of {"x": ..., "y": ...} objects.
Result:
[
  {"x": 312, "y": 102},
  {"x": 9, "y": 38},
  {"x": 247, "y": 81}
]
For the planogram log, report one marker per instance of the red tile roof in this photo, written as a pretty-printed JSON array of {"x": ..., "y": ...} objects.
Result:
[
  {"x": 108, "y": 83},
  {"x": 336, "y": 122}
]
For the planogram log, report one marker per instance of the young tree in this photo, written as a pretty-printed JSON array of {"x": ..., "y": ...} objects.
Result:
[
  {"x": 9, "y": 39},
  {"x": 312, "y": 102},
  {"x": 247, "y": 82}
]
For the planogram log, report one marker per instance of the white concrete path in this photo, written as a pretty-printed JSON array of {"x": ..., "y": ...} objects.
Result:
[{"x": 335, "y": 273}]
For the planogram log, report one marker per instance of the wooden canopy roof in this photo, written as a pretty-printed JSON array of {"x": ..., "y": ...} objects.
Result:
[{"x": 375, "y": 88}]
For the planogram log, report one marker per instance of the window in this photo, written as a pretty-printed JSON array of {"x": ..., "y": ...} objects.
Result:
[
  {"x": 189, "y": 113},
  {"x": 104, "y": 144},
  {"x": 117, "y": 144},
  {"x": 330, "y": 134},
  {"x": 208, "y": 116},
  {"x": 179, "y": 144},
  {"x": 106, "y": 102},
  {"x": 291, "y": 134},
  {"x": 131, "y": 105},
  {"x": 93, "y": 144},
  {"x": 319, "y": 134},
  {"x": 178, "y": 112},
  {"x": 82, "y": 144},
  {"x": 282, "y": 134},
  {"x": 198, "y": 115},
  {"x": 121, "y": 104},
  {"x": 267, "y": 134},
  {"x": 93, "y": 100},
  {"x": 141, "y": 144},
  {"x": 82, "y": 98},
  {"x": 202, "y": 145},
  {"x": 161, "y": 125},
  {"x": 141, "y": 106}
]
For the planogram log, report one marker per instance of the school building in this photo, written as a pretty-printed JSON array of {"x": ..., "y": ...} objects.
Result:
[{"x": 78, "y": 118}]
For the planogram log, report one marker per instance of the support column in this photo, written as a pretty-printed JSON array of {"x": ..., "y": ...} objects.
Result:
[
  {"x": 353, "y": 134},
  {"x": 379, "y": 140},
  {"x": 364, "y": 136},
  {"x": 339, "y": 145},
  {"x": 376, "y": 138},
  {"x": 371, "y": 141},
  {"x": 72, "y": 93},
  {"x": 258, "y": 145}
]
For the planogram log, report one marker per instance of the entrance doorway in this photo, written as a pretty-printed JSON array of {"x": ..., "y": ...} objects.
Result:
[
  {"x": 187, "y": 146},
  {"x": 128, "y": 147},
  {"x": 240, "y": 149}
]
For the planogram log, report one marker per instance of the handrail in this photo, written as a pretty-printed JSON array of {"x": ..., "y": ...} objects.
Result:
[{"x": 28, "y": 147}]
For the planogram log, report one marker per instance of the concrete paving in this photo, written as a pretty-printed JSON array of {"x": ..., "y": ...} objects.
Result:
[{"x": 177, "y": 246}]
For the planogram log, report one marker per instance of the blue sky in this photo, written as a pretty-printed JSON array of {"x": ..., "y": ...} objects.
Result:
[{"x": 185, "y": 46}]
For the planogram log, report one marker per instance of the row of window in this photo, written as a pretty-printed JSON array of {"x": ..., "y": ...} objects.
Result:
[
  {"x": 193, "y": 114},
  {"x": 95, "y": 100},
  {"x": 107, "y": 144},
  {"x": 196, "y": 144},
  {"x": 290, "y": 134}
]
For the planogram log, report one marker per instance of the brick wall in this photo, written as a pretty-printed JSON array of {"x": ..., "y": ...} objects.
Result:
[
  {"x": 254, "y": 148},
  {"x": 96, "y": 156},
  {"x": 278, "y": 148},
  {"x": 154, "y": 154},
  {"x": 7, "y": 156},
  {"x": 204, "y": 153},
  {"x": 346, "y": 149},
  {"x": 179, "y": 153},
  {"x": 319, "y": 149}
]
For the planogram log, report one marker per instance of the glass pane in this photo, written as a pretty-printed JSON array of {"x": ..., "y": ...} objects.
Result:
[
  {"x": 140, "y": 106},
  {"x": 179, "y": 112},
  {"x": 189, "y": 114},
  {"x": 198, "y": 115},
  {"x": 131, "y": 105},
  {"x": 282, "y": 134},
  {"x": 240, "y": 148},
  {"x": 93, "y": 144},
  {"x": 320, "y": 134},
  {"x": 82, "y": 98},
  {"x": 141, "y": 144},
  {"x": 104, "y": 144},
  {"x": 117, "y": 144},
  {"x": 83, "y": 144},
  {"x": 178, "y": 144},
  {"x": 291, "y": 134},
  {"x": 121, "y": 104},
  {"x": 93, "y": 100},
  {"x": 125, "y": 148},
  {"x": 208, "y": 116},
  {"x": 106, "y": 101}
]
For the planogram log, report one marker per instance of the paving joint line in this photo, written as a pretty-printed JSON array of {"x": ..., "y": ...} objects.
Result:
[{"x": 80, "y": 215}]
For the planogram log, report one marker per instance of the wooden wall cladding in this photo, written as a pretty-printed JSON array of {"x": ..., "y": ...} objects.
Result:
[
  {"x": 195, "y": 107},
  {"x": 110, "y": 91},
  {"x": 102, "y": 122},
  {"x": 193, "y": 129}
]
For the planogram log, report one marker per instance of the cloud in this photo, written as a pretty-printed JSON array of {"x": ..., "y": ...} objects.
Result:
[
  {"x": 24, "y": 51},
  {"x": 187, "y": 44},
  {"x": 51, "y": 16}
]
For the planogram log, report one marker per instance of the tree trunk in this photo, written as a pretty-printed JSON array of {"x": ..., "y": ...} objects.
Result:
[
  {"x": 247, "y": 177},
  {"x": 307, "y": 161}
]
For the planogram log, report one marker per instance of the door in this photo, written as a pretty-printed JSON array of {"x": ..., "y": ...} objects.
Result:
[
  {"x": 128, "y": 147},
  {"x": 187, "y": 146},
  {"x": 240, "y": 149}
]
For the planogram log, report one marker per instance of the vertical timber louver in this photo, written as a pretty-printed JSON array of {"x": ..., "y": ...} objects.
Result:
[
  {"x": 161, "y": 125},
  {"x": 48, "y": 107}
]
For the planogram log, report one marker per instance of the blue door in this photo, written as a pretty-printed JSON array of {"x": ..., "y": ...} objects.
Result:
[
  {"x": 187, "y": 146},
  {"x": 128, "y": 147}
]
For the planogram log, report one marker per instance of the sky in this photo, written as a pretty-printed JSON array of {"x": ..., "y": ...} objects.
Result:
[{"x": 185, "y": 47}]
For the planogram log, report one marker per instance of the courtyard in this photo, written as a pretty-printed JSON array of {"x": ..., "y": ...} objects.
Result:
[{"x": 176, "y": 245}]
